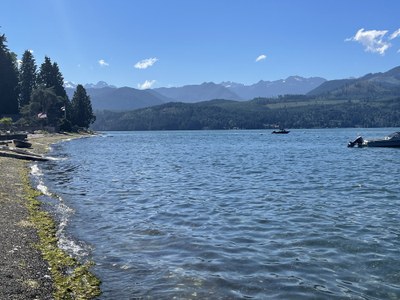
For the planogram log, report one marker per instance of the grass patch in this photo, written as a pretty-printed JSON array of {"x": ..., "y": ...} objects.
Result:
[{"x": 72, "y": 280}]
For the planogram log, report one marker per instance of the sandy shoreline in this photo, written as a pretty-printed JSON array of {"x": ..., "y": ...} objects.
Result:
[{"x": 26, "y": 272}]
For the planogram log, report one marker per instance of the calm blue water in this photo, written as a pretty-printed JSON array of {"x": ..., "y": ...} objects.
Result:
[{"x": 232, "y": 214}]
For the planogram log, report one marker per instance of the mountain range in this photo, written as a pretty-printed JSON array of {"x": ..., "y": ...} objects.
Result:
[
  {"x": 372, "y": 100},
  {"x": 197, "y": 93},
  {"x": 108, "y": 97},
  {"x": 370, "y": 86},
  {"x": 292, "y": 85}
]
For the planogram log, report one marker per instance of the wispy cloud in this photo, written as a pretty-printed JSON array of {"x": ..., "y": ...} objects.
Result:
[
  {"x": 395, "y": 34},
  {"x": 373, "y": 40},
  {"x": 103, "y": 63},
  {"x": 146, "y": 85},
  {"x": 145, "y": 63},
  {"x": 261, "y": 57}
]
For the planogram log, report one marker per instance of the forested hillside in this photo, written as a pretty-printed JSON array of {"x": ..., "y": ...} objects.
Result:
[
  {"x": 370, "y": 101},
  {"x": 288, "y": 112},
  {"x": 372, "y": 87}
]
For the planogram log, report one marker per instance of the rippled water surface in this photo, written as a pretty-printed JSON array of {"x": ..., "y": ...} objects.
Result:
[{"x": 233, "y": 214}]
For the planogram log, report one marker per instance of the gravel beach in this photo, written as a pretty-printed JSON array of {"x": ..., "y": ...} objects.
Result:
[{"x": 24, "y": 274}]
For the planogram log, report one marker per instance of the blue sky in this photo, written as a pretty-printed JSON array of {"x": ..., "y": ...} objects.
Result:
[{"x": 157, "y": 43}]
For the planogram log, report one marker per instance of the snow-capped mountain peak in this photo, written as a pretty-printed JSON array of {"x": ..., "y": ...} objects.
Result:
[
  {"x": 98, "y": 85},
  {"x": 70, "y": 84}
]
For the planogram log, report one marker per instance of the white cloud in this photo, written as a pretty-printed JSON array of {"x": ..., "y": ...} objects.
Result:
[
  {"x": 373, "y": 40},
  {"x": 145, "y": 63},
  {"x": 103, "y": 63},
  {"x": 395, "y": 34},
  {"x": 261, "y": 57},
  {"x": 146, "y": 85}
]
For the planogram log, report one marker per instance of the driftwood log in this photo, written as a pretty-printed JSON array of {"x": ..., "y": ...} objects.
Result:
[{"x": 6, "y": 151}]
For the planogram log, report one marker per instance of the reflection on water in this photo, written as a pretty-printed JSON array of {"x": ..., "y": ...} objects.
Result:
[{"x": 234, "y": 214}]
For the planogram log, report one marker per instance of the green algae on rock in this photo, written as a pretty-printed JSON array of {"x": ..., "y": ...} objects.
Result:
[{"x": 72, "y": 280}]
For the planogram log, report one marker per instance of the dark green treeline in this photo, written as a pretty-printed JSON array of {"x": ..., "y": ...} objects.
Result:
[{"x": 37, "y": 97}]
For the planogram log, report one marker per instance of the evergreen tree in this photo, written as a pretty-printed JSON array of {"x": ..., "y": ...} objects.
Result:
[
  {"x": 44, "y": 106},
  {"x": 50, "y": 76},
  {"x": 58, "y": 81},
  {"x": 45, "y": 77},
  {"x": 27, "y": 78},
  {"x": 8, "y": 79},
  {"x": 82, "y": 113}
]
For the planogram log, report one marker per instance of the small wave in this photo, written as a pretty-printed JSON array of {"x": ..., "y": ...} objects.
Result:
[
  {"x": 62, "y": 213},
  {"x": 56, "y": 158},
  {"x": 38, "y": 174},
  {"x": 73, "y": 247},
  {"x": 67, "y": 243},
  {"x": 35, "y": 171},
  {"x": 43, "y": 188}
]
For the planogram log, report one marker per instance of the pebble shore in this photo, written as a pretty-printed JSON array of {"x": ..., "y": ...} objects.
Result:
[{"x": 24, "y": 274}]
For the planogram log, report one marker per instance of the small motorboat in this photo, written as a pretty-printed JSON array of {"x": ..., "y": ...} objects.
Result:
[
  {"x": 392, "y": 140},
  {"x": 281, "y": 131}
]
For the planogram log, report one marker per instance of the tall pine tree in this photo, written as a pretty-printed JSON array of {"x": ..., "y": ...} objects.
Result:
[
  {"x": 81, "y": 106},
  {"x": 58, "y": 82},
  {"x": 8, "y": 79},
  {"x": 45, "y": 77},
  {"x": 27, "y": 78},
  {"x": 50, "y": 76}
]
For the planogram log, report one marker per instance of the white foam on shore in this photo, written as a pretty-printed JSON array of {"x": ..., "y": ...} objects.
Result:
[
  {"x": 44, "y": 189},
  {"x": 64, "y": 241},
  {"x": 63, "y": 214},
  {"x": 35, "y": 171}
]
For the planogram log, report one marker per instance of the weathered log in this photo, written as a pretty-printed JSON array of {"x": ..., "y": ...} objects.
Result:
[{"x": 21, "y": 154}]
